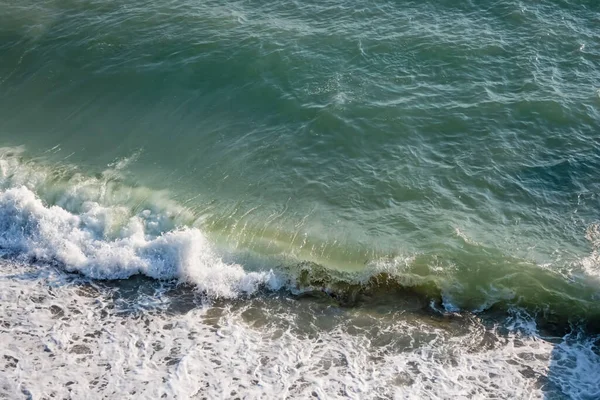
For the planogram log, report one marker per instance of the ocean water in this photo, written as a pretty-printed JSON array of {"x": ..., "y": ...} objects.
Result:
[{"x": 296, "y": 199}]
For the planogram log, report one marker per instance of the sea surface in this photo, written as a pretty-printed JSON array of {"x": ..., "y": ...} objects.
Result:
[{"x": 387, "y": 199}]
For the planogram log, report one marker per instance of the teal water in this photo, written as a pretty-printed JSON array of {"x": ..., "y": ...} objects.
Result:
[
  {"x": 339, "y": 133},
  {"x": 334, "y": 132},
  {"x": 454, "y": 146}
]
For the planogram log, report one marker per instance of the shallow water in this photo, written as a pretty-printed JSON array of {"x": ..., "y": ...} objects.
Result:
[{"x": 65, "y": 337}]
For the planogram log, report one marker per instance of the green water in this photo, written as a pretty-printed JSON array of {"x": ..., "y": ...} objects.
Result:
[{"x": 460, "y": 139}]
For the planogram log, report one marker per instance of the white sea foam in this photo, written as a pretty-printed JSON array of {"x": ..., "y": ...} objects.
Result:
[
  {"x": 31, "y": 230},
  {"x": 92, "y": 230},
  {"x": 60, "y": 339},
  {"x": 591, "y": 263}
]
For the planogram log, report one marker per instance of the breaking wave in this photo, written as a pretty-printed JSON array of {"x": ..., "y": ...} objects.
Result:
[{"x": 104, "y": 229}]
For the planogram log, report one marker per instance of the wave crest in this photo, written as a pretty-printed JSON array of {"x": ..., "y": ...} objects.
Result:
[{"x": 33, "y": 232}]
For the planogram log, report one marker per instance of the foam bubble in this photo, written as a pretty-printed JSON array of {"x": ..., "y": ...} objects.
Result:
[{"x": 591, "y": 263}]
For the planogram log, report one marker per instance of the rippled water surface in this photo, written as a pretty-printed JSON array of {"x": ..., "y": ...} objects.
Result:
[{"x": 384, "y": 199}]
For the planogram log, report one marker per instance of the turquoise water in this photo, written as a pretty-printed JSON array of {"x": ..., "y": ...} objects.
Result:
[
  {"x": 340, "y": 133},
  {"x": 452, "y": 147}
]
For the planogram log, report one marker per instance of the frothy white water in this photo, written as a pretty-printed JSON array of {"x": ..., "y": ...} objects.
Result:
[
  {"x": 105, "y": 230},
  {"x": 591, "y": 263},
  {"x": 63, "y": 339},
  {"x": 30, "y": 230}
]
